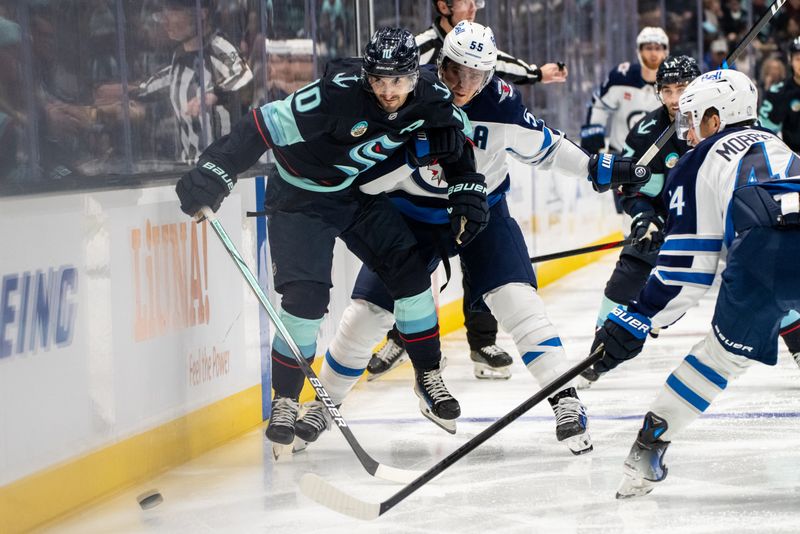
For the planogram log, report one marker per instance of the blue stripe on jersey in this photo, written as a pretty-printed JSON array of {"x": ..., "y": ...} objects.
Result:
[
  {"x": 436, "y": 215},
  {"x": 692, "y": 244},
  {"x": 708, "y": 373},
  {"x": 340, "y": 369},
  {"x": 675, "y": 261},
  {"x": 687, "y": 394},
  {"x": 705, "y": 279}
]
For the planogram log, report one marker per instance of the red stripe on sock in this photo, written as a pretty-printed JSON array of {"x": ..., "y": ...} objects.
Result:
[
  {"x": 290, "y": 366},
  {"x": 409, "y": 340},
  {"x": 792, "y": 329}
]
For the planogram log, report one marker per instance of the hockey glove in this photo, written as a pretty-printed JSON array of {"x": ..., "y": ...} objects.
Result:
[
  {"x": 442, "y": 145},
  {"x": 593, "y": 138},
  {"x": 607, "y": 171},
  {"x": 647, "y": 232},
  {"x": 205, "y": 185},
  {"x": 467, "y": 207},
  {"x": 623, "y": 336}
]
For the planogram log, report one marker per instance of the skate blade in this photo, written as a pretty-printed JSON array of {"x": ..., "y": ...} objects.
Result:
[
  {"x": 633, "y": 485},
  {"x": 448, "y": 425},
  {"x": 580, "y": 444},
  {"x": 281, "y": 453},
  {"x": 299, "y": 445},
  {"x": 582, "y": 384},
  {"x": 483, "y": 371}
]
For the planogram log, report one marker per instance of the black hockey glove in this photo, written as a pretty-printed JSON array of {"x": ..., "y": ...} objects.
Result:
[
  {"x": 623, "y": 336},
  {"x": 205, "y": 185},
  {"x": 608, "y": 171},
  {"x": 593, "y": 138},
  {"x": 647, "y": 232},
  {"x": 467, "y": 207},
  {"x": 442, "y": 145}
]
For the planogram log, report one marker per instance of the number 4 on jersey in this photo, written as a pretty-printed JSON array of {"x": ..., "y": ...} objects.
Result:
[{"x": 676, "y": 201}]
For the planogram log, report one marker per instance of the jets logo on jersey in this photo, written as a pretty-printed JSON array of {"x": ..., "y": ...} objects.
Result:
[
  {"x": 505, "y": 90},
  {"x": 671, "y": 160},
  {"x": 359, "y": 129}
]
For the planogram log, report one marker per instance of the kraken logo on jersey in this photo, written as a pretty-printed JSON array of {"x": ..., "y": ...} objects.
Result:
[
  {"x": 369, "y": 153},
  {"x": 359, "y": 129}
]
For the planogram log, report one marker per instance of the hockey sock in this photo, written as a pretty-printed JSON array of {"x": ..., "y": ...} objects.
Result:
[
  {"x": 287, "y": 378},
  {"x": 790, "y": 331},
  {"x": 419, "y": 329}
]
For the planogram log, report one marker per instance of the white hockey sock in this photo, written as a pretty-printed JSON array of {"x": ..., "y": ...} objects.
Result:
[
  {"x": 695, "y": 383},
  {"x": 520, "y": 311},
  {"x": 362, "y": 327}
]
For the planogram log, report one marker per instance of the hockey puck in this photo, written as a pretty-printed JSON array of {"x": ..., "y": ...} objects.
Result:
[{"x": 150, "y": 499}]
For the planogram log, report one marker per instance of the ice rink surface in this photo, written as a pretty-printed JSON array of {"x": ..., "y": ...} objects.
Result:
[{"x": 737, "y": 469}]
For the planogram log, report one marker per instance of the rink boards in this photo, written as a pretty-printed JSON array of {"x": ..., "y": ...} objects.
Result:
[{"x": 128, "y": 342}]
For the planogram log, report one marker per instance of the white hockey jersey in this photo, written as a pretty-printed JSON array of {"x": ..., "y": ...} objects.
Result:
[
  {"x": 621, "y": 102},
  {"x": 501, "y": 125},
  {"x": 698, "y": 230}
]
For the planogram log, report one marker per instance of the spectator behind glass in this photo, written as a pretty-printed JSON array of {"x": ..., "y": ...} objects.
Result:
[
  {"x": 734, "y": 22},
  {"x": 289, "y": 66},
  {"x": 773, "y": 70},
  {"x": 717, "y": 53},
  {"x": 12, "y": 120},
  {"x": 205, "y": 101}
]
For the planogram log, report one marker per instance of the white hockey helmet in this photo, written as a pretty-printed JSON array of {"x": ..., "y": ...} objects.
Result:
[
  {"x": 652, "y": 34},
  {"x": 470, "y": 45},
  {"x": 732, "y": 93}
]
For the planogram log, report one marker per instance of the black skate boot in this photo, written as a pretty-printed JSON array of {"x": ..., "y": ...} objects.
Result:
[
  {"x": 315, "y": 420},
  {"x": 392, "y": 354},
  {"x": 491, "y": 362},
  {"x": 571, "y": 421},
  {"x": 588, "y": 377},
  {"x": 796, "y": 357},
  {"x": 435, "y": 402},
  {"x": 644, "y": 467},
  {"x": 280, "y": 430}
]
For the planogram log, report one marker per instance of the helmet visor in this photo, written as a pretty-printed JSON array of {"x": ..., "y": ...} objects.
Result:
[
  {"x": 400, "y": 85},
  {"x": 460, "y": 78},
  {"x": 683, "y": 123}
]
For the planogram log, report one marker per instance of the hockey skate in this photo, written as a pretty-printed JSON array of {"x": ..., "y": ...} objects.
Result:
[
  {"x": 588, "y": 377},
  {"x": 315, "y": 420},
  {"x": 571, "y": 421},
  {"x": 387, "y": 358},
  {"x": 491, "y": 362},
  {"x": 796, "y": 357},
  {"x": 280, "y": 430},
  {"x": 435, "y": 402},
  {"x": 644, "y": 467}
]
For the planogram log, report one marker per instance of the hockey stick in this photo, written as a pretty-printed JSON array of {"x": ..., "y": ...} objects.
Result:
[
  {"x": 732, "y": 57},
  {"x": 373, "y": 467},
  {"x": 331, "y": 497},
  {"x": 583, "y": 250}
]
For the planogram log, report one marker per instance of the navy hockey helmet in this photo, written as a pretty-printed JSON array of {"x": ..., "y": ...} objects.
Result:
[
  {"x": 677, "y": 69},
  {"x": 391, "y": 52}
]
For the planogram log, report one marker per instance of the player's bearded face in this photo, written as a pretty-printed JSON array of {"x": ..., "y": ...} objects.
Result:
[
  {"x": 652, "y": 55},
  {"x": 392, "y": 91},
  {"x": 463, "y": 81},
  {"x": 670, "y": 94}
]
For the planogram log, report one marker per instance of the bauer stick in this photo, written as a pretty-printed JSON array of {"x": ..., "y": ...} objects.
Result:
[
  {"x": 331, "y": 497},
  {"x": 372, "y": 466},
  {"x": 583, "y": 250},
  {"x": 732, "y": 57}
]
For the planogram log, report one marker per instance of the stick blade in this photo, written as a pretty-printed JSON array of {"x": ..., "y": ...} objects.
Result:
[
  {"x": 317, "y": 489},
  {"x": 393, "y": 474}
]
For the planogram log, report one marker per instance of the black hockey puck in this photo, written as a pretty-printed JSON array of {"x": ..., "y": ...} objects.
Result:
[{"x": 149, "y": 499}]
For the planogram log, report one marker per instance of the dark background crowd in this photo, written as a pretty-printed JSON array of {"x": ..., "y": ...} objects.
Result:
[{"x": 119, "y": 93}]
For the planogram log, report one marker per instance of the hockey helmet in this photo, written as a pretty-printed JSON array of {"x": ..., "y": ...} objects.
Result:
[
  {"x": 676, "y": 69},
  {"x": 472, "y": 48},
  {"x": 652, "y": 34},
  {"x": 391, "y": 53},
  {"x": 732, "y": 93}
]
